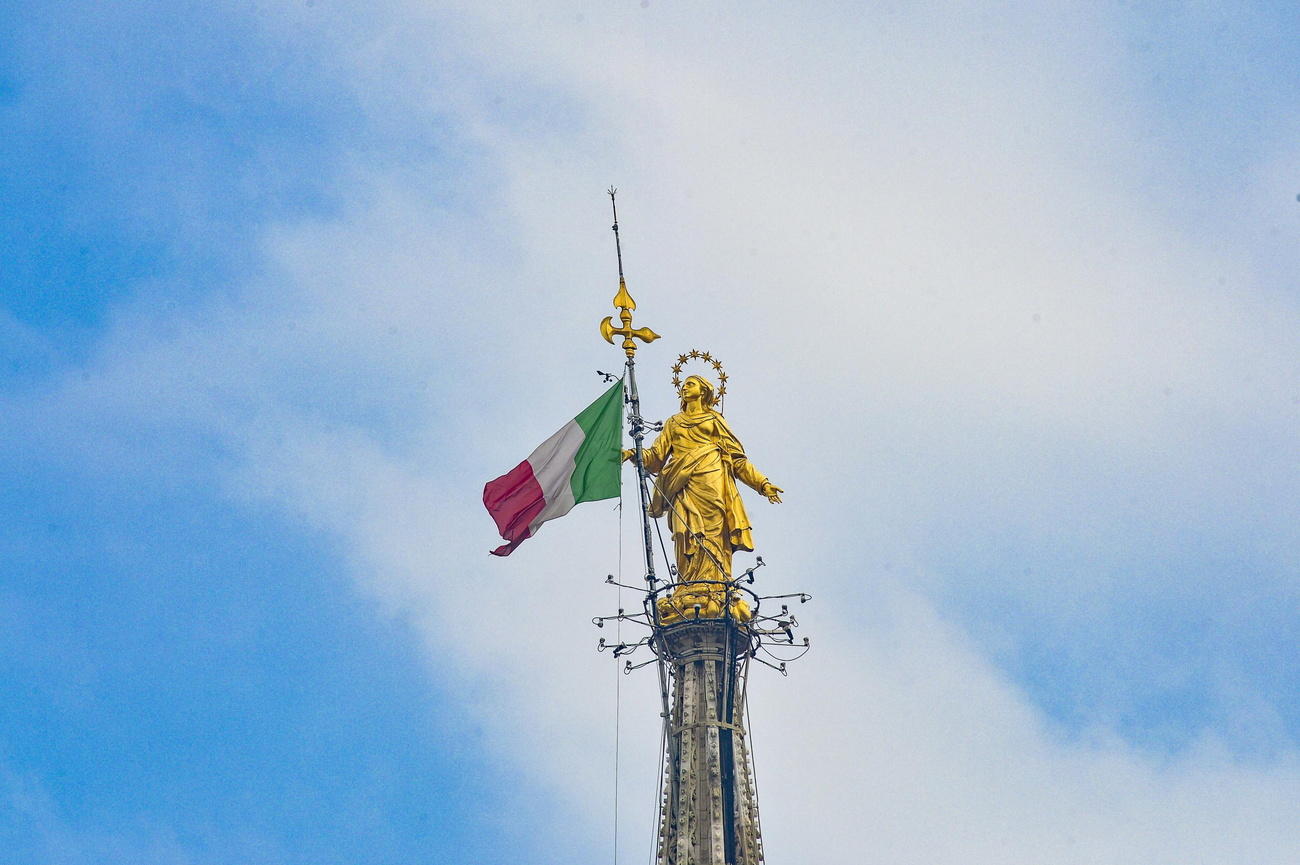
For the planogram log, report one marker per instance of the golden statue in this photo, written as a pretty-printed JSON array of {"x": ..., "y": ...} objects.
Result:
[{"x": 697, "y": 460}]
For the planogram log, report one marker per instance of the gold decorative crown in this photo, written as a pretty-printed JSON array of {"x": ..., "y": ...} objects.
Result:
[{"x": 695, "y": 354}]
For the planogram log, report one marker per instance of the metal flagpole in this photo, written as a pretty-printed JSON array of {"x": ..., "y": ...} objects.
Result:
[{"x": 626, "y": 304}]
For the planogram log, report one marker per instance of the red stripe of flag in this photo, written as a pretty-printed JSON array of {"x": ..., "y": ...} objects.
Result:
[{"x": 514, "y": 500}]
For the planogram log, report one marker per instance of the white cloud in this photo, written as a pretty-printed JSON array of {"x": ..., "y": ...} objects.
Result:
[{"x": 910, "y": 235}]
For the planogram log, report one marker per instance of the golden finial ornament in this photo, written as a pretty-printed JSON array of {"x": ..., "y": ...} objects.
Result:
[{"x": 623, "y": 302}]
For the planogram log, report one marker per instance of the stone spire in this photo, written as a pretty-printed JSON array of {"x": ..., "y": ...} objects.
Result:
[{"x": 709, "y": 812}]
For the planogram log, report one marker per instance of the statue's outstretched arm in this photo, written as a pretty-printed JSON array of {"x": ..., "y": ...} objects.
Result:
[{"x": 754, "y": 479}]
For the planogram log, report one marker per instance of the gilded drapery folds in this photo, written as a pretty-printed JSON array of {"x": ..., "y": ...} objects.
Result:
[{"x": 697, "y": 461}]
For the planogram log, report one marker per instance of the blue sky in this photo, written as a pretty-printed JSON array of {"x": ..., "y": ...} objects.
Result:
[{"x": 1008, "y": 298}]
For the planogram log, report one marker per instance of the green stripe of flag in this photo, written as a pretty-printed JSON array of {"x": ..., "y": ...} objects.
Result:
[{"x": 596, "y": 465}]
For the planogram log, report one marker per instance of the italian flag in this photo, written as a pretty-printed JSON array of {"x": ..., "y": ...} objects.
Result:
[{"x": 580, "y": 463}]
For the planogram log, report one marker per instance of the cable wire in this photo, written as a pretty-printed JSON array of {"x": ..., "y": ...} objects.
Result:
[{"x": 618, "y": 675}]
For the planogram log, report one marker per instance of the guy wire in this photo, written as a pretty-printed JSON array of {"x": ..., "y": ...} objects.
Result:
[
  {"x": 660, "y": 532},
  {"x": 749, "y": 739},
  {"x": 618, "y": 674},
  {"x": 662, "y": 669},
  {"x": 672, "y": 506},
  {"x": 655, "y": 829}
]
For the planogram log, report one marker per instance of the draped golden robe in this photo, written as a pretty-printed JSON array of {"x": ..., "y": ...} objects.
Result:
[{"x": 698, "y": 460}]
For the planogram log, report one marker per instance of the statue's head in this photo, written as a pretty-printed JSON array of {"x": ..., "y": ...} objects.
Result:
[{"x": 700, "y": 386}]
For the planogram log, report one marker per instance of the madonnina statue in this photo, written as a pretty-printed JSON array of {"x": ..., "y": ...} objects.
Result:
[{"x": 697, "y": 460}]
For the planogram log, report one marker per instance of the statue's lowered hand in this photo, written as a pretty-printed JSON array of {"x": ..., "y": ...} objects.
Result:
[{"x": 773, "y": 493}]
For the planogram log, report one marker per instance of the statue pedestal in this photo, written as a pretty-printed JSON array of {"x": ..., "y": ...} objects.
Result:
[{"x": 709, "y": 813}]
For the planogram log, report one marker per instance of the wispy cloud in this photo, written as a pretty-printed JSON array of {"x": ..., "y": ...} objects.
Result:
[{"x": 1037, "y": 433}]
